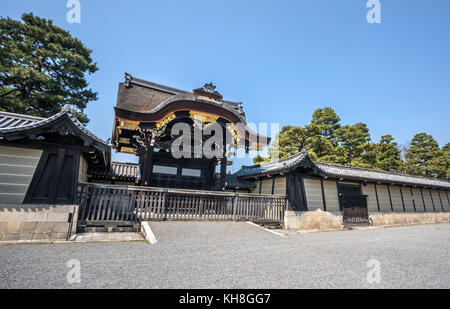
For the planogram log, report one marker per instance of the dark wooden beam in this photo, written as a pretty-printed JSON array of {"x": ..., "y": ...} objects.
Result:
[
  {"x": 390, "y": 197},
  {"x": 223, "y": 173},
  {"x": 223, "y": 160},
  {"x": 376, "y": 194},
  {"x": 432, "y": 201},
  {"x": 403, "y": 200},
  {"x": 440, "y": 199},
  {"x": 147, "y": 166},
  {"x": 323, "y": 195},
  {"x": 413, "y": 200},
  {"x": 423, "y": 200},
  {"x": 58, "y": 169}
]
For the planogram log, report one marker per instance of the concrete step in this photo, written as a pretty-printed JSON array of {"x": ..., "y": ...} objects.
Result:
[{"x": 107, "y": 237}]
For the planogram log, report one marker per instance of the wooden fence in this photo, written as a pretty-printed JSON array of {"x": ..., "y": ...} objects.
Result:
[{"x": 101, "y": 204}]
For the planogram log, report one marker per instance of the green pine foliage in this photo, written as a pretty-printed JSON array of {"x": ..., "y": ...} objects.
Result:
[
  {"x": 387, "y": 155},
  {"x": 42, "y": 68},
  {"x": 329, "y": 141},
  {"x": 425, "y": 158}
]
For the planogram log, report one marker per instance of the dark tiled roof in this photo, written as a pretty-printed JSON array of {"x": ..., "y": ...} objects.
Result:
[
  {"x": 13, "y": 126},
  {"x": 273, "y": 167},
  {"x": 24, "y": 123},
  {"x": 117, "y": 170},
  {"x": 338, "y": 171},
  {"x": 233, "y": 182},
  {"x": 128, "y": 96},
  {"x": 10, "y": 120},
  {"x": 362, "y": 174}
]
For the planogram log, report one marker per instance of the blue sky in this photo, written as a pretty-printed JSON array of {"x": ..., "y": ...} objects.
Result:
[{"x": 283, "y": 59}]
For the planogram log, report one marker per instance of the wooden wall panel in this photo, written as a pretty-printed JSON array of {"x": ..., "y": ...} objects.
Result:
[
  {"x": 428, "y": 201},
  {"x": 369, "y": 190},
  {"x": 383, "y": 198},
  {"x": 258, "y": 184},
  {"x": 396, "y": 199},
  {"x": 418, "y": 200},
  {"x": 17, "y": 167},
  {"x": 408, "y": 199},
  {"x": 295, "y": 193},
  {"x": 444, "y": 197},
  {"x": 267, "y": 186},
  {"x": 83, "y": 170},
  {"x": 331, "y": 195},
  {"x": 313, "y": 190},
  {"x": 436, "y": 200},
  {"x": 280, "y": 186}
]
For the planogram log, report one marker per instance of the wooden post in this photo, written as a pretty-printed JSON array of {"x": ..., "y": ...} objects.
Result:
[
  {"x": 223, "y": 162},
  {"x": 235, "y": 205},
  {"x": 147, "y": 167},
  {"x": 223, "y": 173}
]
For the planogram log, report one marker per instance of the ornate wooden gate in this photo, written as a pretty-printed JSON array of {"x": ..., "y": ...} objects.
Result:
[{"x": 354, "y": 209}]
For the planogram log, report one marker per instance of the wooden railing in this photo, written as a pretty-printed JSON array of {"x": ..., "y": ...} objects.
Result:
[{"x": 121, "y": 204}]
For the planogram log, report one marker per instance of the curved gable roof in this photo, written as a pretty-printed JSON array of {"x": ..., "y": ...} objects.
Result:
[
  {"x": 11, "y": 120},
  {"x": 16, "y": 126},
  {"x": 281, "y": 166},
  {"x": 141, "y": 96},
  {"x": 338, "y": 171},
  {"x": 21, "y": 126}
]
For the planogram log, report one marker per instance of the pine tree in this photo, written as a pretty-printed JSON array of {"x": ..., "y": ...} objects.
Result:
[
  {"x": 388, "y": 156},
  {"x": 288, "y": 142},
  {"x": 258, "y": 159},
  {"x": 329, "y": 142},
  {"x": 338, "y": 155},
  {"x": 425, "y": 158},
  {"x": 324, "y": 122},
  {"x": 322, "y": 129},
  {"x": 42, "y": 68},
  {"x": 446, "y": 150},
  {"x": 355, "y": 139}
]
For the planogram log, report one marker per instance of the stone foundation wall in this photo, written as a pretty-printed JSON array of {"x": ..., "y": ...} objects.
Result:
[
  {"x": 313, "y": 220},
  {"x": 37, "y": 222},
  {"x": 320, "y": 220},
  {"x": 400, "y": 219}
]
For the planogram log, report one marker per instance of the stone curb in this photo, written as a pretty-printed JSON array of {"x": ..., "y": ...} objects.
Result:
[{"x": 148, "y": 233}]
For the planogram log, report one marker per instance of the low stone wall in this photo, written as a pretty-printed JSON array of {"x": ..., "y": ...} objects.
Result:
[
  {"x": 400, "y": 219},
  {"x": 312, "y": 220},
  {"x": 37, "y": 222},
  {"x": 320, "y": 220}
]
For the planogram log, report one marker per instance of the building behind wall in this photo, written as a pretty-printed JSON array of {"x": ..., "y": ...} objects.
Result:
[
  {"x": 145, "y": 116},
  {"x": 312, "y": 185},
  {"x": 42, "y": 159},
  {"x": 41, "y": 162}
]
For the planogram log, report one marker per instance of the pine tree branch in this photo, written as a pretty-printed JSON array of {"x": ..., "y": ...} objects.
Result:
[{"x": 8, "y": 93}]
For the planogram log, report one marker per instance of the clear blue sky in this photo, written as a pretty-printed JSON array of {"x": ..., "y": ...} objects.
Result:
[{"x": 283, "y": 59}]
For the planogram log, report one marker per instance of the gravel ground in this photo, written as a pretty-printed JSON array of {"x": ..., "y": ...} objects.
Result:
[{"x": 239, "y": 255}]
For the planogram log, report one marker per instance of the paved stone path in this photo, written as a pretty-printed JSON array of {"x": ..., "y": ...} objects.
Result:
[{"x": 238, "y": 255}]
